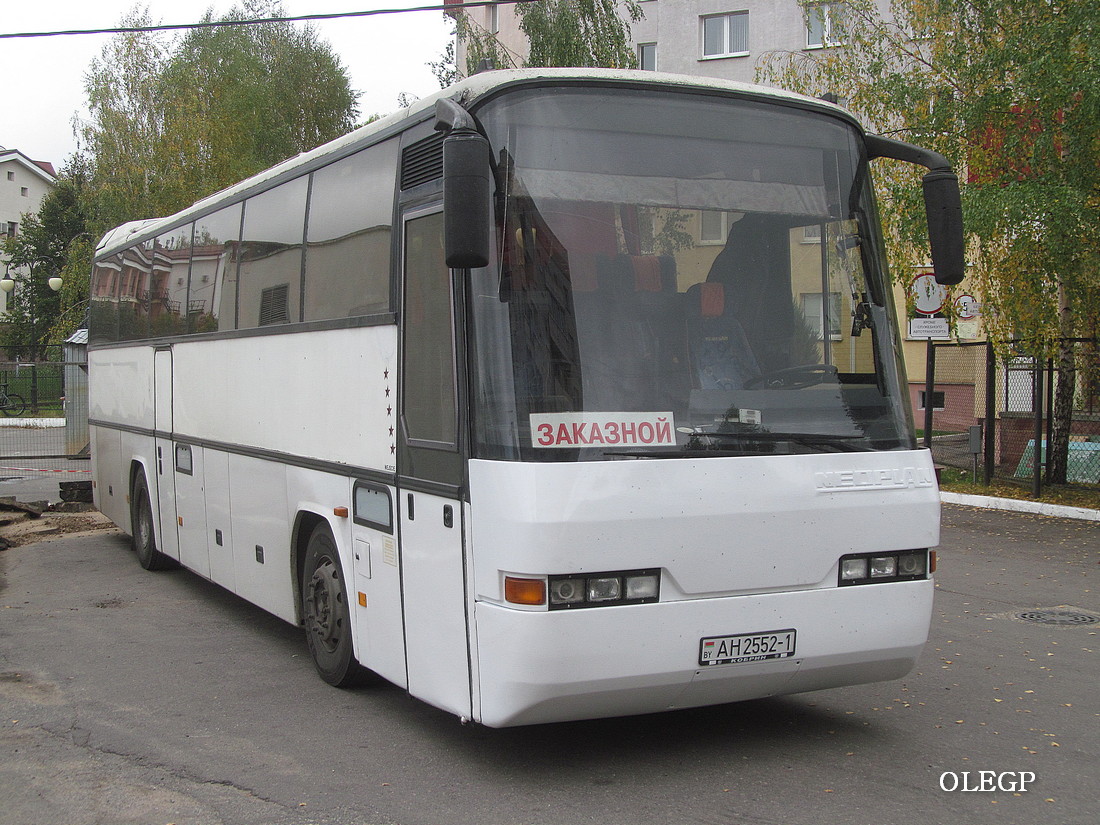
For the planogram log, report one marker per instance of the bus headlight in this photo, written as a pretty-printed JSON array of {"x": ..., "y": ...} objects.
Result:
[
  {"x": 884, "y": 567},
  {"x": 643, "y": 587},
  {"x": 604, "y": 589},
  {"x": 879, "y": 568},
  {"x": 912, "y": 564},
  {"x": 566, "y": 591},
  {"x": 853, "y": 569}
]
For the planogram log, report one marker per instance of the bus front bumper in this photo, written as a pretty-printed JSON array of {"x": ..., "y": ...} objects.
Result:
[{"x": 536, "y": 667}]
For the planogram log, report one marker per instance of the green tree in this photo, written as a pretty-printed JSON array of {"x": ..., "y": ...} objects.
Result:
[
  {"x": 582, "y": 33},
  {"x": 173, "y": 120},
  {"x": 120, "y": 139},
  {"x": 240, "y": 99},
  {"x": 1010, "y": 92},
  {"x": 41, "y": 251},
  {"x": 446, "y": 68}
]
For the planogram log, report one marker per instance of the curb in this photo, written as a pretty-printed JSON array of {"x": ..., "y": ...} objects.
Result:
[
  {"x": 32, "y": 423},
  {"x": 1021, "y": 506}
]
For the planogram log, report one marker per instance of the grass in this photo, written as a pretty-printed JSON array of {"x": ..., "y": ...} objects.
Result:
[
  {"x": 1070, "y": 495},
  {"x": 49, "y": 389}
]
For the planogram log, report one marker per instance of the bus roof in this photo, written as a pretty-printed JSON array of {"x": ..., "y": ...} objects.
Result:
[{"x": 466, "y": 91}]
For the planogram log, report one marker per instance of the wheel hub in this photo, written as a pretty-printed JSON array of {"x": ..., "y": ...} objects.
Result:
[{"x": 324, "y": 592}]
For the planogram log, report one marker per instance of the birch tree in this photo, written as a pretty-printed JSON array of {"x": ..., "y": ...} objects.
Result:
[{"x": 1011, "y": 93}]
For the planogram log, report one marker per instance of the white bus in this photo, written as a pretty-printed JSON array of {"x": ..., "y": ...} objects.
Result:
[{"x": 562, "y": 394}]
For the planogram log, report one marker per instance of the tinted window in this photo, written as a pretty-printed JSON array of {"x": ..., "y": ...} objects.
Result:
[
  {"x": 164, "y": 299},
  {"x": 271, "y": 254},
  {"x": 213, "y": 295},
  {"x": 429, "y": 396},
  {"x": 103, "y": 312},
  {"x": 136, "y": 267},
  {"x": 348, "y": 253}
]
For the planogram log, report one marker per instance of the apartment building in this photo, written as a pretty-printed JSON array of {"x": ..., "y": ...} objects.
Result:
[
  {"x": 23, "y": 185},
  {"x": 709, "y": 38}
]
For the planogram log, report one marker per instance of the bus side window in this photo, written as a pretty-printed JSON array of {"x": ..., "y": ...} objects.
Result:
[
  {"x": 347, "y": 270},
  {"x": 269, "y": 285},
  {"x": 212, "y": 296},
  {"x": 103, "y": 313},
  {"x": 428, "y": 406}
]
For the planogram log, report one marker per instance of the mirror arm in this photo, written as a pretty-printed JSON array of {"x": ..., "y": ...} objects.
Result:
[
  {"x": 450, "y": 118},
  {"x": 884, "y": 147}
]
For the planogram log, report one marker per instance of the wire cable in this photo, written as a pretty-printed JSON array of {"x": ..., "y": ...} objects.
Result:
[{"x": 214, "y": 24}]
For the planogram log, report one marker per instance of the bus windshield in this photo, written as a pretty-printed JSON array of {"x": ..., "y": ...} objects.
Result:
[{"x": 680, "y": 275}]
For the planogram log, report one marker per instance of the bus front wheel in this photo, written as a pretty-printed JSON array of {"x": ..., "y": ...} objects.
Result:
[{"x": 326, "y": 612}]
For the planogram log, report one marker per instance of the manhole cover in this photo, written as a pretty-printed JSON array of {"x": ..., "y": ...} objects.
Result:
[{"x": 1063, "y": 618}]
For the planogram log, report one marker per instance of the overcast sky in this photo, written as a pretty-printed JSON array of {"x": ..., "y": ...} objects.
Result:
[{"x": 43, "y": 78}]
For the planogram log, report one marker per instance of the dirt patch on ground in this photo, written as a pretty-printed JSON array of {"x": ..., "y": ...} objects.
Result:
[{"x": 19, "y": 528}]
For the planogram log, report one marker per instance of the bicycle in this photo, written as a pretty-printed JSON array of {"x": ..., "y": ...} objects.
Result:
[{"x": 10, "y": 403}]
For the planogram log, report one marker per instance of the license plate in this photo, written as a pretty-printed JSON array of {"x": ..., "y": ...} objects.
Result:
[{"x": 746, "y": 647}]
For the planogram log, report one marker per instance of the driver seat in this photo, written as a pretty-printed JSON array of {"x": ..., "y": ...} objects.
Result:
[{"x": 720, "y": 353}]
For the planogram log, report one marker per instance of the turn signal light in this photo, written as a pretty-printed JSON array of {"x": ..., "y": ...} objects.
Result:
[{"x": 524, "y": 591}]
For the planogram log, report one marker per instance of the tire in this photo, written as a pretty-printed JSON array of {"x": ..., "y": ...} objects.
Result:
[
  {"x": 143, "y": 535},
  {"x": 15, "y": 405},
  {"x": 326, "y": 614}
]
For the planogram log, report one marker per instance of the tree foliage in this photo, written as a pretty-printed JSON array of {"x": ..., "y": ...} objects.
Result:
[
  {"x": 1011, "y": 93},
  {"x": 581, "y": 33},
  {"x": 173, "y": 120},
  {"x": 39, "y": 252},
  {"x": 119, "y": 141}
]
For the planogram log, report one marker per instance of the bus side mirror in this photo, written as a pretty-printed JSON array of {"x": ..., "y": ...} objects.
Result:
[
  {"x": 943, "y": 206},
  {"x": 467, "y": 199}
]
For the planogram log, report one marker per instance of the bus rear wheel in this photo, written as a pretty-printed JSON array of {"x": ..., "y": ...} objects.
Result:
[
  {"x": 143, "y": 537},
  {"x": 326, "y": 612}
]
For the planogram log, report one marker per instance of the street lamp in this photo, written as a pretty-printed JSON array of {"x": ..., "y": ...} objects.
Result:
[{"x": 7, "y": 283}]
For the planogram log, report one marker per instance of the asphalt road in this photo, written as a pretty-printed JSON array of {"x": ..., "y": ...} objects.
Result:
[{"x": 131, "y": 697}]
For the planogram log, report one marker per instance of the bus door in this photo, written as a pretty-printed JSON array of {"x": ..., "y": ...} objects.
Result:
[
  {"x": 179, "y": 482},
  {"x": 164, "y": 482},
  {"x": 430, "y": 475}
]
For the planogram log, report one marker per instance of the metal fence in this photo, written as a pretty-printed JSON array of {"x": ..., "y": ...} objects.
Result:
[
  {"x": 994, "y": 415},
  {"x": 44, "y": 418}
]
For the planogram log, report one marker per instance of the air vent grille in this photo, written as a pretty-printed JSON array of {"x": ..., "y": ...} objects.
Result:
[{"x": 422, "y": 161}]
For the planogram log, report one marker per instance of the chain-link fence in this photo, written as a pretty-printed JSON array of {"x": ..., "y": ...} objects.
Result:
[
  {"x": 44, "y": 417},
  {"x": 999, "y": 416}
]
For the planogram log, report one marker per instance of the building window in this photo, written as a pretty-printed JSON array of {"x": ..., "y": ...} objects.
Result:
[
  {"x": 823, "y": 25},
  {"x": 647, "y": 57},
  {"x": 726, "y": 35},
  {"x": 714, "y": 227},
  {"x": 11, "y": 175},
  {"x": 938, "y": 400},
  {"x": 24, "y": 191},
  {"x": 494, "y": 19},
  {"x": 813, "y": 310}
]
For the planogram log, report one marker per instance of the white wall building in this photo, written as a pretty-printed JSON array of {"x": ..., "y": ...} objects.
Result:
[
  {"x": 23, "y": 185},
  {"x": 710, "y": 38}
]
